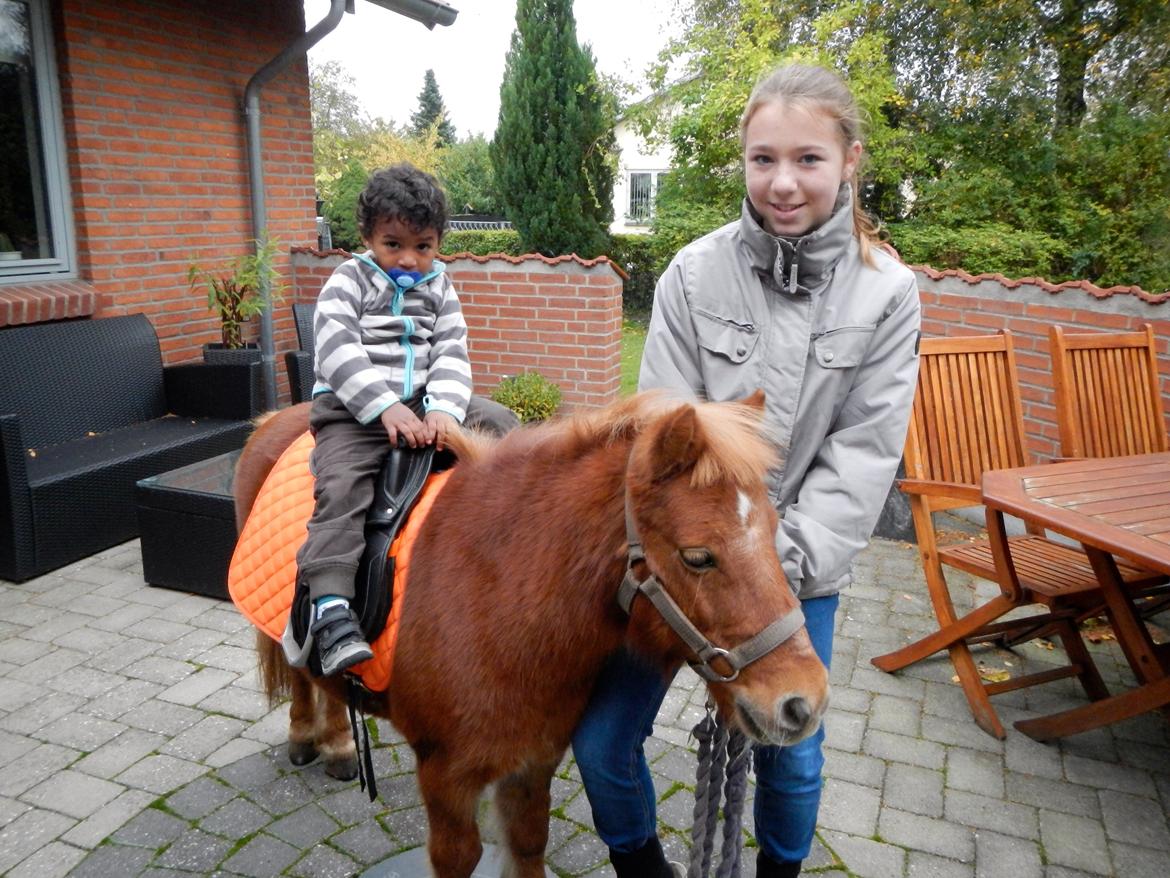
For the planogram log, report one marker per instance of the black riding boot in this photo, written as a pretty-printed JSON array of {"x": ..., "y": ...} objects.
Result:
[
  {"x": 648, "y": 861},
  {"x": 766, "y": 867}
]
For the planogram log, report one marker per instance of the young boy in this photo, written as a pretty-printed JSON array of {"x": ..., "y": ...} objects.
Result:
[{"x": 391, "y": 364}]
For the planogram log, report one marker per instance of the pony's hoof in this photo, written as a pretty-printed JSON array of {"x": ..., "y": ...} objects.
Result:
[
  {"x": 301, "y": 754},
  {"x": 342, "y": 768}
]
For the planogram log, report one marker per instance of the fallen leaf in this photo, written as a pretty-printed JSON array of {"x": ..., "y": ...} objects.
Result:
[
  {"x": 1044, "y": 644},
  {"x": 994, "y": 675}
]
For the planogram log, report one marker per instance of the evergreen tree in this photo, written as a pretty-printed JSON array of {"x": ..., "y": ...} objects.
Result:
[
  {"x": 553, "y": 148},
  {"x": 431, "y": 109}
]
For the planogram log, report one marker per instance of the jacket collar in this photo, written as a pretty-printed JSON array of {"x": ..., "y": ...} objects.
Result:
[{"x": 801, "y": 265}]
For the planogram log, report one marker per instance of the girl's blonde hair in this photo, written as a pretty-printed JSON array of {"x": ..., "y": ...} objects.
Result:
[{"x": 819, "y": 88}]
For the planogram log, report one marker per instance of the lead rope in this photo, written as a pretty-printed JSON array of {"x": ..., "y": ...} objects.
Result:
[
  {"x": 719, "y": 749},
  {"x": 357, "y": 717}
]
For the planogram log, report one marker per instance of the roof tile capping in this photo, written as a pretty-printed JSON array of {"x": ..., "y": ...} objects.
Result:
[
  {"x": 1012, "y": 283},
  {"x": 515, "y": 260}
]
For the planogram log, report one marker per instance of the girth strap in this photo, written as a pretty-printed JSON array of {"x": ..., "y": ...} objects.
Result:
[{"x": 737, "y": 658}]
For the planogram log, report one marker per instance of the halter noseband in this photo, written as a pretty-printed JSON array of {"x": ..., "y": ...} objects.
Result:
[{"x": 738, "y": 658}]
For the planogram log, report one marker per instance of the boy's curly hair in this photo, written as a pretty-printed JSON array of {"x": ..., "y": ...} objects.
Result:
[{"x": 405, "y": 193}]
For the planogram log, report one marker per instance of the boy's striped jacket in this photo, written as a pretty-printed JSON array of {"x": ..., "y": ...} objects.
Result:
[{"x": 377, "y": 344}]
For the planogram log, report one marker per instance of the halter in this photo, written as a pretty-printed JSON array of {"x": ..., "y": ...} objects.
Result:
[{"x": 737, "y": 658}]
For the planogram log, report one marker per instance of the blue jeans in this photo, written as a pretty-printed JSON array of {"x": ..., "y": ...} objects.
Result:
[{"x": 607, "y": 745}]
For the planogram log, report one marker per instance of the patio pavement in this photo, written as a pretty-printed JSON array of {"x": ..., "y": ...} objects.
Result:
[{"x": 134, "y": 741}]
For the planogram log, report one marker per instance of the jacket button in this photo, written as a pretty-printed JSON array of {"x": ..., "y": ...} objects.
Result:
[
  {"x": 739, "y": 352},
  {"x": 828, "y": 356}
]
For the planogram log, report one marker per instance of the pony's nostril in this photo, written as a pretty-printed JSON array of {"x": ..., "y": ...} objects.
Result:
[{"x": 795, "y": 713}]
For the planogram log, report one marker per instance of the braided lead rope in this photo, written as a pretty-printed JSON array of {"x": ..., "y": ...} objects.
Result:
[
  {"x": 704, "y": 733},
  {"x": 739, "y": 757}
]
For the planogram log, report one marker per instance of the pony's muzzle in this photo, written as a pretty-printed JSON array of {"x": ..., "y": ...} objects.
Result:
[{"x": 793, "y": 719}]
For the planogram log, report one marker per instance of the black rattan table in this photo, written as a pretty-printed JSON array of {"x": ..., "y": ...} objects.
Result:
[{"x": 186, "y": 520}]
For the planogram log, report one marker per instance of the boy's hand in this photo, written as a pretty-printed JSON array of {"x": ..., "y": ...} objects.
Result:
[
  {"x": 438, "y": 426},
  {"x": 401, "y": 421}
]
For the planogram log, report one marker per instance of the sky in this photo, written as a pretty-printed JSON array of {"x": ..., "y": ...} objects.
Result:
[{"x": 388, "y": 54}]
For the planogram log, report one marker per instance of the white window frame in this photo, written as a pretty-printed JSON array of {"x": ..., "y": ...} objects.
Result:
[
  {"x": 655, "y": 180},
  {"x": 58, "y": 203}
]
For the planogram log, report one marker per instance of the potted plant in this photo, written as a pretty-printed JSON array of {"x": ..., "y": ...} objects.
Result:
[{"x": 234, "y": 293}]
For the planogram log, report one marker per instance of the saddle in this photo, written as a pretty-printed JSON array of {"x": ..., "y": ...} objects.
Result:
[{"x": 262, "y": 576}]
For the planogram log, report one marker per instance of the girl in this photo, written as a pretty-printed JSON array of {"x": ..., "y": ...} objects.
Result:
[{"x": 796, "y": 298}]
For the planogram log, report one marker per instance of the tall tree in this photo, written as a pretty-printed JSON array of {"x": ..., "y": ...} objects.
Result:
[
  {"x": 432, "y": 112},
  {"x": 553, "y": 151}
]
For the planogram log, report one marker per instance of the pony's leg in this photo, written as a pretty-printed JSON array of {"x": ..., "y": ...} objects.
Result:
[
  {"x": 335, "y": 738},
  {"x": 302, "y": 720},
  {"x": 522, "y": 803},
  {"x": 452, "y": 835}
]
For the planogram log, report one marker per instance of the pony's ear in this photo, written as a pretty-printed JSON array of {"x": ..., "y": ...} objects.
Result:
[
  {"x": 676, "y": 443},
  {"x": 755, "y": 401}
]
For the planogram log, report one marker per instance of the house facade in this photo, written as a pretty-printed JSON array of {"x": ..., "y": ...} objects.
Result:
[
  {"x": 641, "y": 168},
  {"x": 124, "y": 160}
]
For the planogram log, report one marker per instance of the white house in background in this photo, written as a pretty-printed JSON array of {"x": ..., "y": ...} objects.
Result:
[{"x": 640, "y": 170}]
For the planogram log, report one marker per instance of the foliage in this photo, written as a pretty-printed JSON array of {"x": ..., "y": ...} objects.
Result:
[
  {"x": 635, "y": 254},
  {"x": 483, "y": 242},
  {"x": 235, "y": 292},
  {"x": 984, "y": 247},
  {"x": 432, "y": 112},
  {"x": 530, "y": 395},
  {"x": 465, "y": 170},
  {"x": 341, "y": 207},
  {"x": 553, "y": 148}
]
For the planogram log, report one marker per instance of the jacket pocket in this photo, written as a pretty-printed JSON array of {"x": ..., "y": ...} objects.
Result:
[
  {"x": 730, "y": 339},
  {"x": 842, "y": 348}
]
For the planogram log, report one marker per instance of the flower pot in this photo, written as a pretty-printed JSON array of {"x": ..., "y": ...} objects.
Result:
[{"x": 218, "y": 354}]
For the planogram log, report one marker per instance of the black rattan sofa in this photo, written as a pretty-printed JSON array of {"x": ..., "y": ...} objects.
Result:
[
  {"x": 300, "y": 362},
  {"x": 86, "y": 410}
]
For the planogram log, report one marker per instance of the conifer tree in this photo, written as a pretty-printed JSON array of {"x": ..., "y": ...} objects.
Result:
[
  {"x": 553, "y": 147},
  {"x": 430, "y": 108}
]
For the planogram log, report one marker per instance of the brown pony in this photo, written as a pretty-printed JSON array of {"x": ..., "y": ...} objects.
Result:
[{"x": 511, "y": 604}]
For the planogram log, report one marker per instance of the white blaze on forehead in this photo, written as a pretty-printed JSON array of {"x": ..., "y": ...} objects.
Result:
[
  {"x": 751, "y": 535},
  {"x": 744, "y": 505}
]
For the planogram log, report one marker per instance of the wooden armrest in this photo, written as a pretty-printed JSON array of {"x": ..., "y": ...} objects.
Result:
[{"x": 952, "y": 490}]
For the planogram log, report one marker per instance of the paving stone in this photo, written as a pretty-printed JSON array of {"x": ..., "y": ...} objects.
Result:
[
  {"x": 261, "y": 857},
  {"x": 984, "y": 812},
  {"x": 1135, "y": 820},
  {"x": 250, "y": 774},
  {"x": 121, "y": 699},
  {"x": 324, "y": 862},
  {"x": 920, "y": 865},
  {"x": 14, "y": 695},
  {"x": 367, "y": 842},
  {"x": 914, "y": 789},
  {"x": 304, "y": 827},
  {"x": 1055, "y": 795},
  {"x": 234, "y": 701},
  {"x": 194, "y": 688},
  {"x": 582, "y": 852},
  {"x": 116, "y": 658},
  {"x": 204, "y": 738},
  {"x": 235, "y": 659},
  {"x": 408, "y": 826},
  {"x": 157, "y": 669},
  {"x": 52, "y": 861},
  {"x": 27, "y": 834},
  {"x": 236, "y": 819},
  {"x": 34, "y": 766},
  {"x": 72, "y": 793},
  {"x": 37, "y": 714},
  {"x": 113, "y": 861},
  {"x": 91, "y": 831},
  {"x": 234, "y": 751},
  {"x": 160, "y": 774},
  {"x": 998, "y": 856},
  {"x": 899, "y": 715},
  {"x": 151, "y": 829},
  {"x": 849, "y": 808},
  {"x": 13, "y": 746},
  {"x": 976, "y": 772},
  {"x": 283, "y": 796},
  {"x": 162, "y": 717},
  {"x": 190, "y": 646},
  {"x": 844, "y": 730},
  {"x": 899, "y": 748},
  {"x": 865, "y": 770},
  {"x": 80, "y": 731},
  {"x": 926, "y": 834},
  {"x": 158, "y": 630},
  {"x": 195, "y": 851},
  {"x": 1076, "y": 842},
  {"x": 10, "y": 809},
  {"x": 199, "y": 798},
  {"x": 115, "y": 756},
  {"x": 1109, "y": 776},
  {"x": 1136, "y": 862},
  {"x": 865, "y": 857}
]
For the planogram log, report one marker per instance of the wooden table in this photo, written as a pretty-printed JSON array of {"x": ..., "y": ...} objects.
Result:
[{"x": 1112, "y": 506}]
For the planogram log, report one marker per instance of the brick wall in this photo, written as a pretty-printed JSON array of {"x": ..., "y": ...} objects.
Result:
[
  {"x": 956, "y": 303},
  {"x": 152, "y": 92},
  {"x": 560, "y": 317}
]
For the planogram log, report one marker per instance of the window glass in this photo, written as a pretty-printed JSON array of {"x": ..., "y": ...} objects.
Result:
[
  {"x": 32, "y": 211},
  {"x": 641, "y": 196}
]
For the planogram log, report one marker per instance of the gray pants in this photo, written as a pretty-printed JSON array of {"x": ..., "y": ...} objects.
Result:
[{"x": 345, "y": 462}]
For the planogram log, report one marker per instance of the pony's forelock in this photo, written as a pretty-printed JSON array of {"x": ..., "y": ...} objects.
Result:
[{"x": 736, "y": 448}]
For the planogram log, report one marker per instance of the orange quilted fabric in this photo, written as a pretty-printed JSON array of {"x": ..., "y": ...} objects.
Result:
[{"x": 263, "y": 571}]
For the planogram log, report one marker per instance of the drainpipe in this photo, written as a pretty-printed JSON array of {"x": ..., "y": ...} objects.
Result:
[{"x": 262, "y": 77}]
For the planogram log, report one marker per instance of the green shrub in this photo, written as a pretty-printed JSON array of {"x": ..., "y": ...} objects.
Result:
[
  {"x": 635, "y": 254},
  {"x": 482, "y": 242},
  {"x": 991, "y": 247},
  {"x": 530, "y": 395}
]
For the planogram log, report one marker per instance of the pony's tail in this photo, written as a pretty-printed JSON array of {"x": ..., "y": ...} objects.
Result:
[{"x": 275, "y": 673}]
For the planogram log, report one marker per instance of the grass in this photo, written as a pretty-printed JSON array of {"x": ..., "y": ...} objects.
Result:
[{"x": 633, "y": 340}]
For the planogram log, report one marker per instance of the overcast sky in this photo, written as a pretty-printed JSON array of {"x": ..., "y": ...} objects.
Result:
[{"x": 388, "y": 54}]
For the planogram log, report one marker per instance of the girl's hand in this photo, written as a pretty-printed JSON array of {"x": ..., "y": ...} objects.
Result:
[
  {"x": 439, "y": 425},
  {"x": 401, "y": 421}
]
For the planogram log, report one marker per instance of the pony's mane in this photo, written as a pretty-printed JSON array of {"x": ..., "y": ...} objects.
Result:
[{"x": 736, "y": 447}]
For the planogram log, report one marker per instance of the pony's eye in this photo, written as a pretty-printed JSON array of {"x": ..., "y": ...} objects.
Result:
[{"x": 697, "y": 559}]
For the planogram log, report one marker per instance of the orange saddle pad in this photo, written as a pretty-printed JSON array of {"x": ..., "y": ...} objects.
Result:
[{"x": 262, "y": 576}]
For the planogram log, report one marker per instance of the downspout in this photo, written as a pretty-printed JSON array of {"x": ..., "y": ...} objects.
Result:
[{"x": 262, "y": 77}]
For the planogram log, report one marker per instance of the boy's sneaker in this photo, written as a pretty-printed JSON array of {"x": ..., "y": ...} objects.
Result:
[{"x": 339, "y": 639}]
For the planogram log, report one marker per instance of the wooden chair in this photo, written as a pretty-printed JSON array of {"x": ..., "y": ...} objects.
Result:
[
  {"x": 1109, "y": 404},
  {"x": 966, "y": 419},
  {"x": 1108, "y": 398}
]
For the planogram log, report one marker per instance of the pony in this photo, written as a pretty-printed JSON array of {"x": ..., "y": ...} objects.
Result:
[{"x": 511, "y": 605}]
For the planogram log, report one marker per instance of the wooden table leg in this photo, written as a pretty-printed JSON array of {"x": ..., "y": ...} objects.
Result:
[{"x": 1132, "y": 634}]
